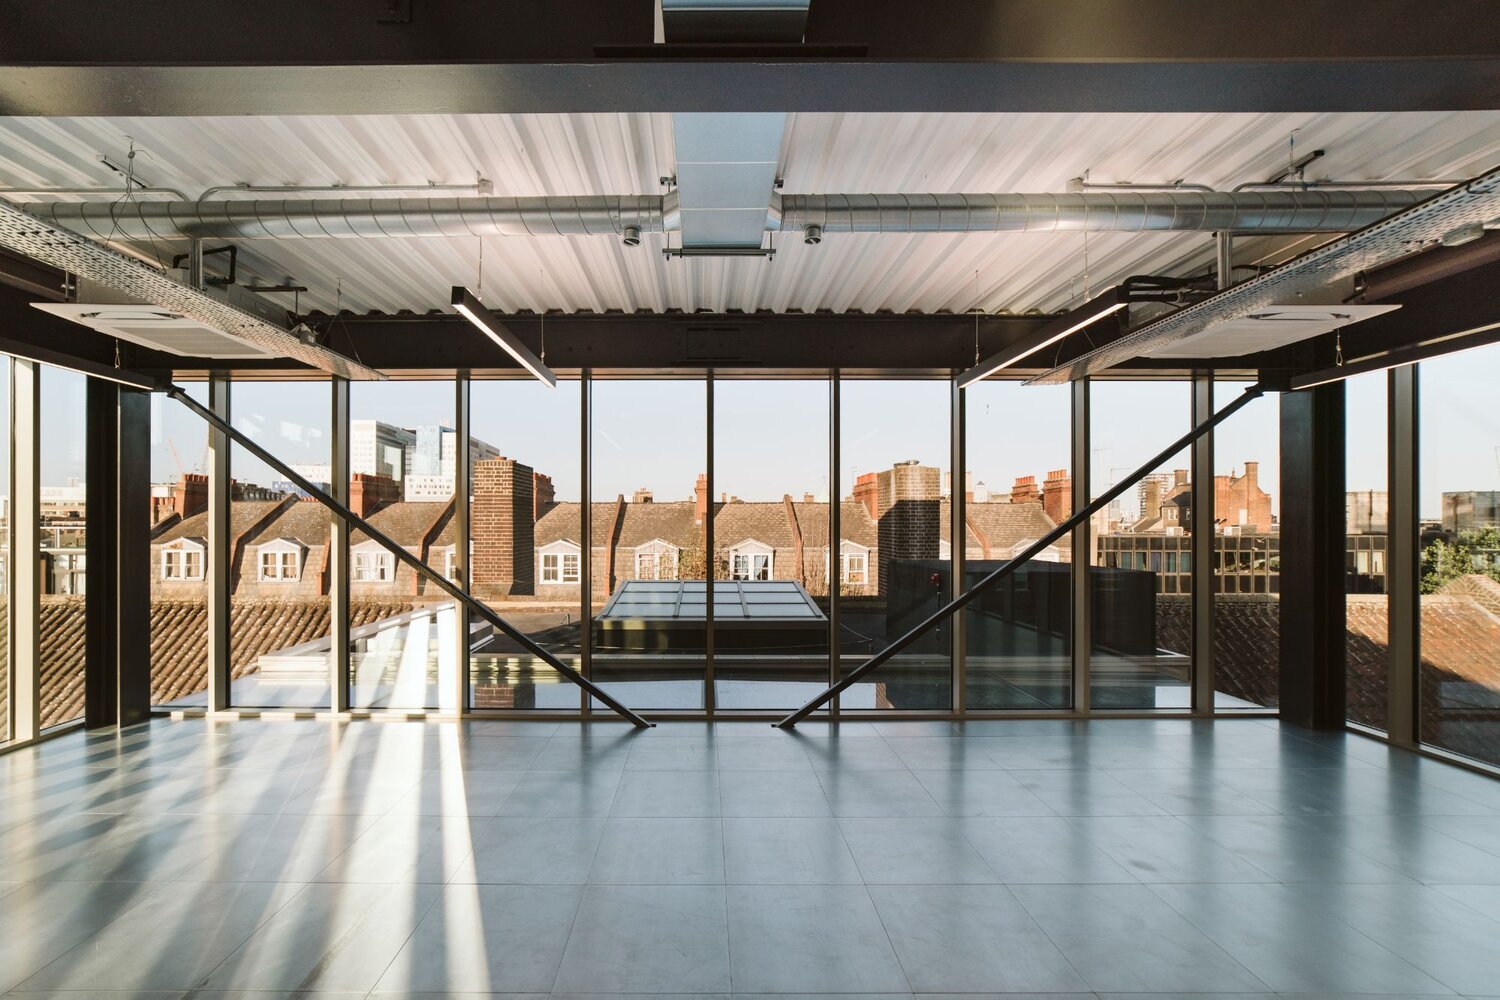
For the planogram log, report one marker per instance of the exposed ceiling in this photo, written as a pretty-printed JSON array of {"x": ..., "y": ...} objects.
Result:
[{"x": 628, "y": 154}]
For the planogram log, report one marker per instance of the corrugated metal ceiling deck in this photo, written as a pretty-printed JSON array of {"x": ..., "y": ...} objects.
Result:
[{"x": 825, "y": 153}]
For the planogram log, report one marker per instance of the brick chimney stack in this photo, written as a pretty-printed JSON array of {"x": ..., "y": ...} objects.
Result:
[
  {"x": 700, "y": 499},
  {"x": 867, "y": 492},
  {"x": 1252, "y": 474},
  {"x": 369, "y": 493},
  {"x": 1057, "y": 495},
  {"x": 190, "y": 496},
  {"x": 1025, "y": 490},
  {"x": 544, "y": 495},
  {"x": 1179, "y": 477},
  {"x": 641, "y": 496},
  {"x": 503, "y": 523}
]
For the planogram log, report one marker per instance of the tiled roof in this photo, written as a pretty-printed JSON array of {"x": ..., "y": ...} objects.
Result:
[
  {"x": 1003, "y": 524},
  {"x": 408, "y": 522},
  {"x": 762, "y": 522},
  {"x": 560, "y": 521},
  {"x": 242, "y": 514},
  {"x": 855, "y": 523},
  {"x": 306, "y": 521},
  {"x": 671, "y": 522}
]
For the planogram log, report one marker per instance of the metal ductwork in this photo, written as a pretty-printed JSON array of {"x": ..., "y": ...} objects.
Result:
[
  {"x": 1311, "y": 211},
  {"x": 1112, "y": 211},
  {"x": 359, "y": 218}
]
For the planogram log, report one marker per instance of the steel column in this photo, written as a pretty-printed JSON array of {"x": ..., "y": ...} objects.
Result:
[
  {"x": 1313, "y": 528},
  {"x": 340, "y": 679},
  {"x": 1082, "y": 569},
  {"x": 220, "y": 568},
  {"x": 462, "y": 490},
  {"x": 835, "y": 538},
  {"x": 1403, "y": 560},
  {"x": 709, "y": 561},
  {"x": 958, "y": 540},
  {"x": 1202, "y": 552},
  {"x": 101, "y": 550},
  {"x": 133, "y": 549},
  {"x": 585, "y": 535},
  {"x": 25, "y": 551}
]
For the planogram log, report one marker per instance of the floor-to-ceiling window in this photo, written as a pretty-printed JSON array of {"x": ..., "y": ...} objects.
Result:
[
  {"x": 895, "y": 465},
  {"x": 650, "y": 501},
  {"x": 62, "y": 535},
  {"x": 179, "y": 550},
  {"x": 772, "y": 559},
  {"x": 1017, "y": 636},
  {"x": 1367, "y": 527},
  {"x": 526, "y": 540},
  {"x": 1141, "y": 582},
  {"x": 280, "y": 645},
  {"x": 402, "y": 465},
  {"x": 1246, "y": 550},
  {"x": 1458, "y": 504}
]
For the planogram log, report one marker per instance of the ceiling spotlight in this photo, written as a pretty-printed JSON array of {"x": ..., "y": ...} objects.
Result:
[
  {"x": 1463, "y": 234},
  {"x": 812, "y": 235},
  {"x": 631, "y": 236}
]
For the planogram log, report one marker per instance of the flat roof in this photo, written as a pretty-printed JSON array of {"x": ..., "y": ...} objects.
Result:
[{"x": 742, "y": 601}]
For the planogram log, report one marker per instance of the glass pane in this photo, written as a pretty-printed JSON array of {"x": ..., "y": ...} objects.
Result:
[
  {"x": 5, "y": 552},
  {"x": 402, "y": 456},
  {"x": 179, "y": 551},
  {"x": 524, "y": 523},
  {"x": 280, "y": 648},
  {"x": 64, "y": 528},
  {"x": 1459, "y": 507},
  {"x": 1366, "y": 604},
  {"x": 894, "y": 467},
  {"x": 650, "y": 501},
  {"x": 1140, "y": 586},
  {"x": 1247, "y": 552},
  {"x": 1017, "y": 635},
  {"x": 771, "y": 538}
]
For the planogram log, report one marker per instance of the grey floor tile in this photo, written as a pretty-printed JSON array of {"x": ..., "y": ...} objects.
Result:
[
  {"x": 563, "y": 793},
  {"x": 667, "y": 794},
  {"x": 762, "y": 755},
  {"x": 772, "y": 793},
  {"x": 487, "y": 939},
  {"x": 671, "y": 755},
  {"x": 1292, "y": 849},
  {"x": 537, "y": 850},
  {"x": 1123, "y": 939},
  {"x": 1041, "y": 850},
  {"x": 330, "y": 937},
  {"x": 970, "y": 939},
  {"x": 1086, "y": 793},
  {"x": 648, "y": 939},
  {"x": 40, "y": 921},
  {"x": 405, "y": 848},
  {"x": 1185, "y": 792},
  {"x": 282, "y": 849},
  {"x": 1291, "y": 948},
  {"x": 935, "y": 753},
  {"x": 877, "y": 793},
  {"x": 459, "y": 792},
  {"x": 962, "y": 792},
  {"x": 914, "y": 851},
  {"x": 816, "y": 939},
  {"x": 637, "y": 851},
  {"x": 1165, "y": 849},
  {"x": 171, "y": 941},
  {"x": 841, "y": 754},
  {"x": 787, "y": 851}
]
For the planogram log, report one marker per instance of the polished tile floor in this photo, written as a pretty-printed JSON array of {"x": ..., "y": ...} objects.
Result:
[{"x": 1045, "y": 858}]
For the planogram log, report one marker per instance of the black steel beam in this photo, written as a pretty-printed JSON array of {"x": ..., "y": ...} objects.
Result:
[
  {"x": 58, "y": 57},
  {"x": 101, "y": 608},
  {"x": 1312, "y": 650}
]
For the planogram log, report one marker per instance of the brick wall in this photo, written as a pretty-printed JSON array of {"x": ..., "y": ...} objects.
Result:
[
  {"x": 502, "y": 523},
  {"x": 1057, "y": 495}
]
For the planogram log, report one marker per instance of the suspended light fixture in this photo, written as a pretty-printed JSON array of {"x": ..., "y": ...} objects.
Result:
[
  {"x": 471, "y": 309},
  {"x": 1070, "y": 323}
]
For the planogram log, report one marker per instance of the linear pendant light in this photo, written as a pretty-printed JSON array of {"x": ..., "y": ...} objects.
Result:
[
  {"x": 471, "y": 309},
  {"x": 56, "y": 359},
  {"x": 1090, "y": 312}
]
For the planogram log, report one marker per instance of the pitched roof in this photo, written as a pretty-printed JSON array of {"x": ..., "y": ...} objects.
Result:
[
  {"x": 408, "y": 521},
  {"x": 1004, "y": 524},
  {"x": 242, "y": 514}
]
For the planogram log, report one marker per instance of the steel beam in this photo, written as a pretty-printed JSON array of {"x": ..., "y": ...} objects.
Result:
[
  {"x": 1403, "y": 562},
  {"x": 25, "y": 537}
]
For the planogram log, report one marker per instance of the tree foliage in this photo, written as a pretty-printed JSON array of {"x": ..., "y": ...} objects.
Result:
[{"x": 1472, "y": 551}]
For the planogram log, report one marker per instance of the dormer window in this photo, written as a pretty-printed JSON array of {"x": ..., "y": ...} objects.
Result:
[
  {"x": 182, "y": 561},
  {"x": 371, "y": 563},
  {"x": 558, "y": 562},
  {"x": 751, "y": 560},
  {"x": 656, "y": 560},
  {"x": 280, "y": 561}
]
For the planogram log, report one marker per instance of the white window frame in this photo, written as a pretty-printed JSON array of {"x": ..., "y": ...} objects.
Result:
[
  {"x": 371, "y": 562},
  {"x": 559, "y": 563},
  {"x": 653, "y": 554},
  {"x": 282, "y": 558},
  {"x": 848, "y": 551},
  {"x": 185, "y": 555},
  {"x": 752, "y": 560}
]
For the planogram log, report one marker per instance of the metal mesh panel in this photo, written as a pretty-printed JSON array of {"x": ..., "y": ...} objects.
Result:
[
  {"x": 1418, "y": 227},
  {"x": 26, "y": 234}
]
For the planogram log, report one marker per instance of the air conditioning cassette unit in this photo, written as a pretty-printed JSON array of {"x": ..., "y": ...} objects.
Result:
[{"x": 115, "y": 314}]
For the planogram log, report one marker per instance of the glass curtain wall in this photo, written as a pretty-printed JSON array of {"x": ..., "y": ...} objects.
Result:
[
  {"x": 64, "y": 531},
  {"x": 651, "y": 504},
  {"x": 895, "y": 466},
  {"x": 1141, "y": 584},
  {"x": 526, "y": 540},
  {"x": 771, "y": 554},
  {"x": 1018, "y": 635},
  {"x": 280, "y": 643},
  {"x": 1367, "y": 507},
  {"x": 402, "y": 463},
  {"x": 179, "y": 551},
  {"x": 1458, "y": 504},
  {"x": 1247, "y": 551}
]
